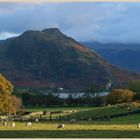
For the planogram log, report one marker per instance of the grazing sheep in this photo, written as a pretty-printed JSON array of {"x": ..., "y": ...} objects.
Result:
[
  {"x": 82, "y": 118},
  {"x": 29, "y": 124},
  {"x": 13, "y": 124},
  {"x": 4, "y": 123},
  {"x": 36, "y": 120},
  {"x": 70, "y": 111},
  {"x": 60, "y": 126},
  {"x": 138, "y": 125},
  {"x": 72, "y": 120},
  {"x": 36, "y": 113},
  {"x": 90, "y": 119},
  {"x": 128, "y": 108}
]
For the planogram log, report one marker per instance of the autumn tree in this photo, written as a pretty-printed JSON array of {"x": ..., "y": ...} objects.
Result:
[
  {"x": 120, "y": 96},
  {"x": 6, "y": 104},
  {"x": 17, "y": 102}
]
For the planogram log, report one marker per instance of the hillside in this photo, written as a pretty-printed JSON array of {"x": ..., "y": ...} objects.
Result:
[
  {"x": 48, "y": 58},
  {"x": 1, "y": 42},
  {"x": 125, "y": 56},
  {"x": 113, "y": 111}
]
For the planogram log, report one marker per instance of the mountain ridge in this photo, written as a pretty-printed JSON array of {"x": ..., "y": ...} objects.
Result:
[
  {"x": 125, "y": 56},
  {"x": 48, "y": 58}
]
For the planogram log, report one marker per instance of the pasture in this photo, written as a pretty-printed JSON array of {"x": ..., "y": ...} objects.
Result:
[
  {"x": 123, "y": 128},
  {"x": 58, "y": 109},
  {"x": 117, "y": 127}
]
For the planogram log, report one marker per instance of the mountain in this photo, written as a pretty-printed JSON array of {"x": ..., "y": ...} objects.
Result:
[
  {"x": 1, "y": 42},
  {"x": 48, "y": 58},
  {"x": 125, "y": 56}
]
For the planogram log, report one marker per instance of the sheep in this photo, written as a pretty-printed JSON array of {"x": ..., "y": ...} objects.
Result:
[
  {"x": 29, "y": 124},
  {"x": 128, "y": 108},
  {"x": 60, "y": 126},
  {"x": 138, "y": 126},
  {"x": 72, "y": 120},
  {"x": 90, "y": 119},
  {"x": 82, "y": 118},
  {"x": 4, "y": 123},
  {"x": 36, "y": 120},
  {"x": 13, "y": 124}
]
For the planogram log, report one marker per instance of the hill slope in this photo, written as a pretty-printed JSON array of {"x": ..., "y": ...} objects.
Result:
[
  {"x": 122, "y": 55},
  {"x": 49, "y": 58}
]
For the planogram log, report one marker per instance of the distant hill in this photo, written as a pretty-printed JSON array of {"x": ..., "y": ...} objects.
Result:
[
  {"x": 48, "y": 58},
  {"x": 1, "y": 42},
  {"x": 125, "y": 56}
]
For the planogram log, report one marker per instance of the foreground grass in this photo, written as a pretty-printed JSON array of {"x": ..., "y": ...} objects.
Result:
[
  {"x": 70, "y": 134},
  {"x": 76, "y": 126},
  {"x": 119, "y": 127}
]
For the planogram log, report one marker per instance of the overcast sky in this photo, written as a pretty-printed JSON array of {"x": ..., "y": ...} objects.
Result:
[{"x": 105, "y": 22}]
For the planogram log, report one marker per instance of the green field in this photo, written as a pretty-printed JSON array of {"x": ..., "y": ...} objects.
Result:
[
  {"x": 106, "y": 111},
  {"x": 59, "y": 109},
  {"x": 119, "y": 127}
]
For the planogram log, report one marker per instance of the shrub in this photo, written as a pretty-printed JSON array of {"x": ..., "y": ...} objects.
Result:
[{"x": 120, "y": 96}]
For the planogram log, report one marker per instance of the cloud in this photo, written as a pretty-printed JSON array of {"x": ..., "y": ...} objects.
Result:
[
  {"x": 104, "y": 21},
  {"x": 5, "y": 35},
  {"x": 46, "y": 1}
]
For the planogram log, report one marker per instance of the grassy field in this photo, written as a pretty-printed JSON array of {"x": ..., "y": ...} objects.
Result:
[
  {"x": 59, "y": 109},
  {"x": 106, "y": 111},
  {"x": 119, "y": 127},
  {"x": 84, "y": 113}
]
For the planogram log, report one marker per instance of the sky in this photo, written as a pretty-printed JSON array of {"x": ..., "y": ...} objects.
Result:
[{"x": 84, "y": 21}]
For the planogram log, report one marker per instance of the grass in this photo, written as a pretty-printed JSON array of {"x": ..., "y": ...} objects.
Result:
[
  {"x": 106, "y": 111},
  {"x": 77, "y": 130},
  {"x": 119, "y": 127},
  {"x": 70, "y": 134},
  {"x": 88, "y": 112},
  {"x": 58, "y": 109},
  {"x": 65, "y": 111}
]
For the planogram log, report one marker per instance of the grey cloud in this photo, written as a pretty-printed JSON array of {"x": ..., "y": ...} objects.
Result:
[{"x": 106, "y": 22}]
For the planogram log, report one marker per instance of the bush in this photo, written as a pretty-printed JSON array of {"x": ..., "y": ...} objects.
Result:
[{"x": 120, "y": 96}]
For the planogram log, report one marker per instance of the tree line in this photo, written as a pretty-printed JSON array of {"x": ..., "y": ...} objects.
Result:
[
  {"x": 90, "y": 98},
  {"x": 11, "y": 100}
]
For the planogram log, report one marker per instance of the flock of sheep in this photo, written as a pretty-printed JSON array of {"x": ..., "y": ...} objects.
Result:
[
  {"x": 29, "y": 124},
  {"x": 60, "y": 126}
]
